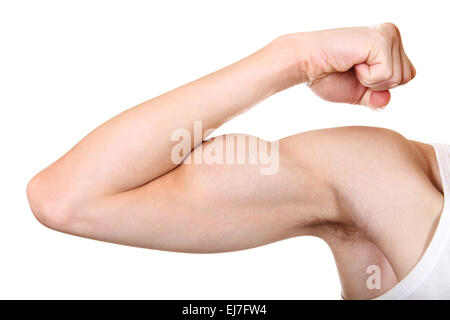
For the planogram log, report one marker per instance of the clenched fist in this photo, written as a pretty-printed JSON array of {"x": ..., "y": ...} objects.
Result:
[{"x": 354, "y": 65}]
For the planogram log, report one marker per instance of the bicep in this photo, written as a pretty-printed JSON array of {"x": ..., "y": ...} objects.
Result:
[{"x": 201, "y": 207}]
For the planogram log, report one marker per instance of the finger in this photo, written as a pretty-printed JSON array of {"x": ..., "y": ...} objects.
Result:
[
  {"x": 408, "y": 68},
  {"x": 407, "y": 71},
  {"x": 397, "y": 70},
  {"x": 340, "y": 87},
  {"x": 413, "y": 70},
  {"x": 397, "y": 66},
  {"x": 375, "y": 99},
  {"x": 411, "y": 67},
  {"x": 376, "y": 69}
]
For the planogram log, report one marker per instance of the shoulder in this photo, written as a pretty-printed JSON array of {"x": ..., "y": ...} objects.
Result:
[
  {"x": 363, "y": 164},
  {"x": 363, "y": 156},
  {"x": 383, "y": 181},
  {"x": 354, "y": 141}
]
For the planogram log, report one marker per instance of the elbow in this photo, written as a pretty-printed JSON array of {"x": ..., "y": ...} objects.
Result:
[{"x": 48, "y": 207}]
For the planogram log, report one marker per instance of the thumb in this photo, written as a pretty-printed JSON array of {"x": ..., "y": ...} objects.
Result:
[{"x": 375, "y": 99}]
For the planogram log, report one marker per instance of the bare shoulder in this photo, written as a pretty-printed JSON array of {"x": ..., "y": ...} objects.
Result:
[
  {"x": 385, "y": 184},
  {"x": 368, "y": 162},
  {"x": 368, "y": 145}
]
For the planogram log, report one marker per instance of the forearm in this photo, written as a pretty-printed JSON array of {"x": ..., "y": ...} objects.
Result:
[{"x": 135, "y": 147}]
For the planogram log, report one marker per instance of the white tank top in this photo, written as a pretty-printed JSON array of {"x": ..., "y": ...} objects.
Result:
[{"x": 430, "y": 278}]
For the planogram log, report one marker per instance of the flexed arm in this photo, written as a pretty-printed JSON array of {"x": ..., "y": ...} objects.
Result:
[{"x": 117, "y": 184}]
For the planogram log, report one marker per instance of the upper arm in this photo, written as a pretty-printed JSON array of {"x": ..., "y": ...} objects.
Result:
[
  {"x": 208, "y": 207},
  {"x": 369, "y": 177}
]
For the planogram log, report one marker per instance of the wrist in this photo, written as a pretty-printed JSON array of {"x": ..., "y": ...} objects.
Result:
[{"x": 292, "y": 51}]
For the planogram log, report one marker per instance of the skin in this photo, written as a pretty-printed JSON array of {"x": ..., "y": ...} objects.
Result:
[{"x": 374, "y": 196}]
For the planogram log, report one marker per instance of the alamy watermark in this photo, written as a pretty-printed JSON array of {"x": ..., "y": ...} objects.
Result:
[
  {"x": 229, "y": 149},
  {"x": 374, "y": 280}
]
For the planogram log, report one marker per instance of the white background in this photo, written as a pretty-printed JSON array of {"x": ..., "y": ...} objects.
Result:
[{"x": 67, "y": 66}]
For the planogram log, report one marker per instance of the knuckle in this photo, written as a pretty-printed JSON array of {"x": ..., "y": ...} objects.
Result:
[
  {"x": 383, "y": 39},
  {"x": 391, "y": 29}
]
